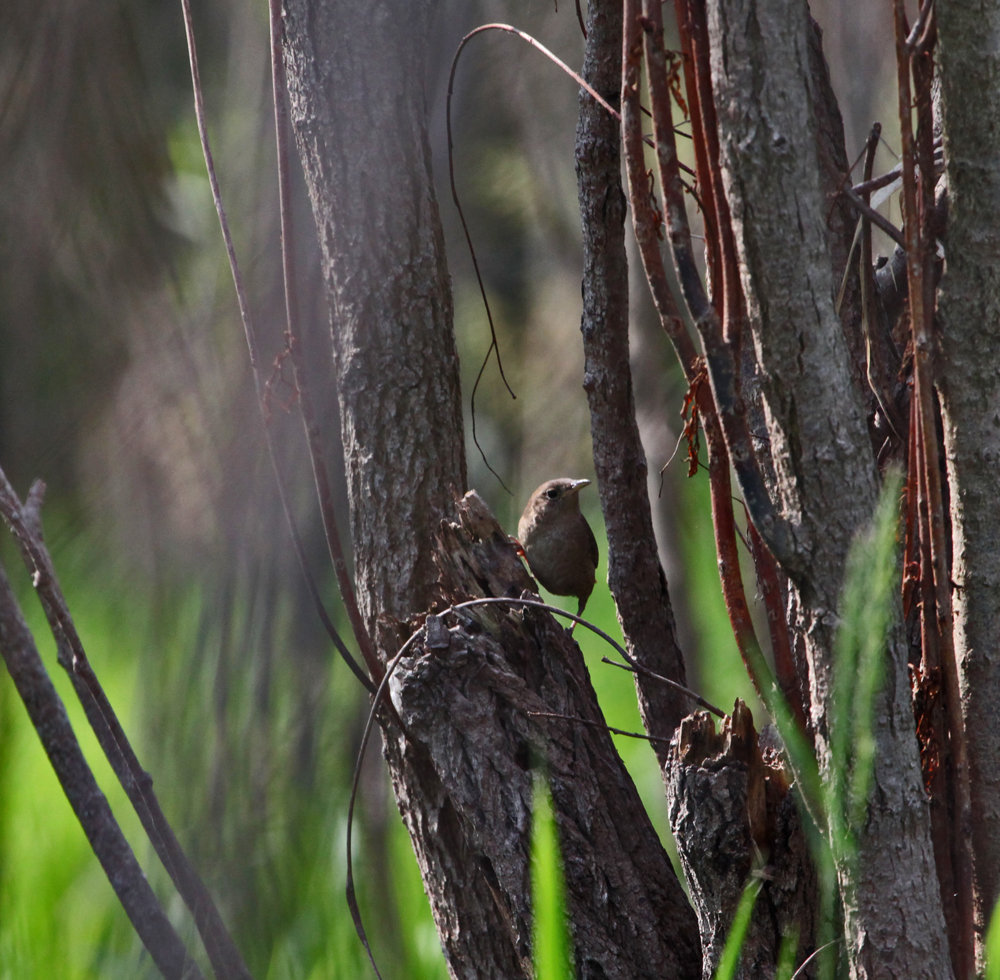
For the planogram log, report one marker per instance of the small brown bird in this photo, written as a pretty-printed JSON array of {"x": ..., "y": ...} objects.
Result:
[{"x": 560, "y": 547}]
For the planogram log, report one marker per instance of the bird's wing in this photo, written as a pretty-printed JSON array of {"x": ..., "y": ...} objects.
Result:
[{"x": 595, "y": 553}]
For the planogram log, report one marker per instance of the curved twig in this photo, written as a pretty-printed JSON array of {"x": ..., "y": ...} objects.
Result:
[
  {"x": 596, "y": 724},
  {"x": 494, "y": 343},
  {"x": 636, "y": 668}
]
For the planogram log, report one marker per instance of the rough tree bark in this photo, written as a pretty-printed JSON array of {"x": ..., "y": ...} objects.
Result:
[
  {"x": 969, "y": 386},
  {"x": 732, "y": 815},
  {"x": 827, "y": 483},
  {"x": 460, "y": 770},
  {"x": 357, "y": 100},
  {"x": 355, "y": 76}
]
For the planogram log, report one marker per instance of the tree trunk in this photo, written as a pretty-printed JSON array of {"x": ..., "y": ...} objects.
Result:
[
  {"x": 355, "y": 75},
  {"x": 460, "y": 771},
  {"x": 826, "y": 478},
  {"x": 969, "y": 386},
  {"x": 473, "y": 699}
]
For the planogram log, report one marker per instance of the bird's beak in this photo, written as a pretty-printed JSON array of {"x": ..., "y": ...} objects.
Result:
[{"x": 578, "y": 485}]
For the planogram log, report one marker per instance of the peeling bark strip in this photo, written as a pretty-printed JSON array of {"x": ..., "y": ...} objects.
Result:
[
  {"x": 466, "y": 699},
  {"x": 727, "y": 803},
  {"x": 824, "y": 470}
]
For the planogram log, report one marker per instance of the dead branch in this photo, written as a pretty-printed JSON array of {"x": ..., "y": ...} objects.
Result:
[{"x": 48, "y": 715}]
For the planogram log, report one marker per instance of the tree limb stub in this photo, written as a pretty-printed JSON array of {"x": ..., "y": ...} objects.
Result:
[{"x": 733, "y": 817}]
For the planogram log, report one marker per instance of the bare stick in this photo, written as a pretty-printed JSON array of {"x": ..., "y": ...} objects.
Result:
[
  {"x": 596, "y": 724},
  {"x": 774, "y": 608},
  {"x": 875, "y": 217},
  {"x": 635, "y": 668},
  {"x": 48, "y": 715},
  {"x": 25, "y": 525},
  {"x": 646, "y": 220},
  {"x": 877, "y": 371},
  {"x": 891, "y": 176},
  {"x": 720, "y": 337}
]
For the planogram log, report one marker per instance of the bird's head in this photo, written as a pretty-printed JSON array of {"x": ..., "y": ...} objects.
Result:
[{"x": 557, "y": 496}]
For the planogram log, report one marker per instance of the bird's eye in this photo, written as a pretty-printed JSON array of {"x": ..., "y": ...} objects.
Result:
[{"x": 552, "y": 493}]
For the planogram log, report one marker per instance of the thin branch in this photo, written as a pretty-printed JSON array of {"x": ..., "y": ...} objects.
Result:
[
  {"x": 636, "y": 668},
  {"x": 891, "y": 176},
  {"x": 48, "y": 715},
  {"x": 921, "y": 25},
  {"x": 321, "y": 475},
  {"x": 251, "y": 338},
  {"x": 475, "y": 390},
  {"x": 877, "y": 371},
  {"x": 875, "y": 217},
  {"x": 774, "y": 608},
  {"x": 698, "y": 88},
  {"x": 877, "y": 183},
  {"x": 494, "y": 343},
  {"x": 645, "y": 219},
  {"x": 596, "y": 724},
  {"x": 25, "y": 525},
  {"x": 934, "y": 726},
  {"x": 802, "y": 967}
]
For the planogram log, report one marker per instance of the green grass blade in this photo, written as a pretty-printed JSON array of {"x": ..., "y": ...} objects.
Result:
[
  {"x": 874, "y": 623},
  {"x": 993, "y": 945},
  {"x": 786, "y": 955},
  {"x": 551, "y": 943},
  {"x": 730, "y": 958}
]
